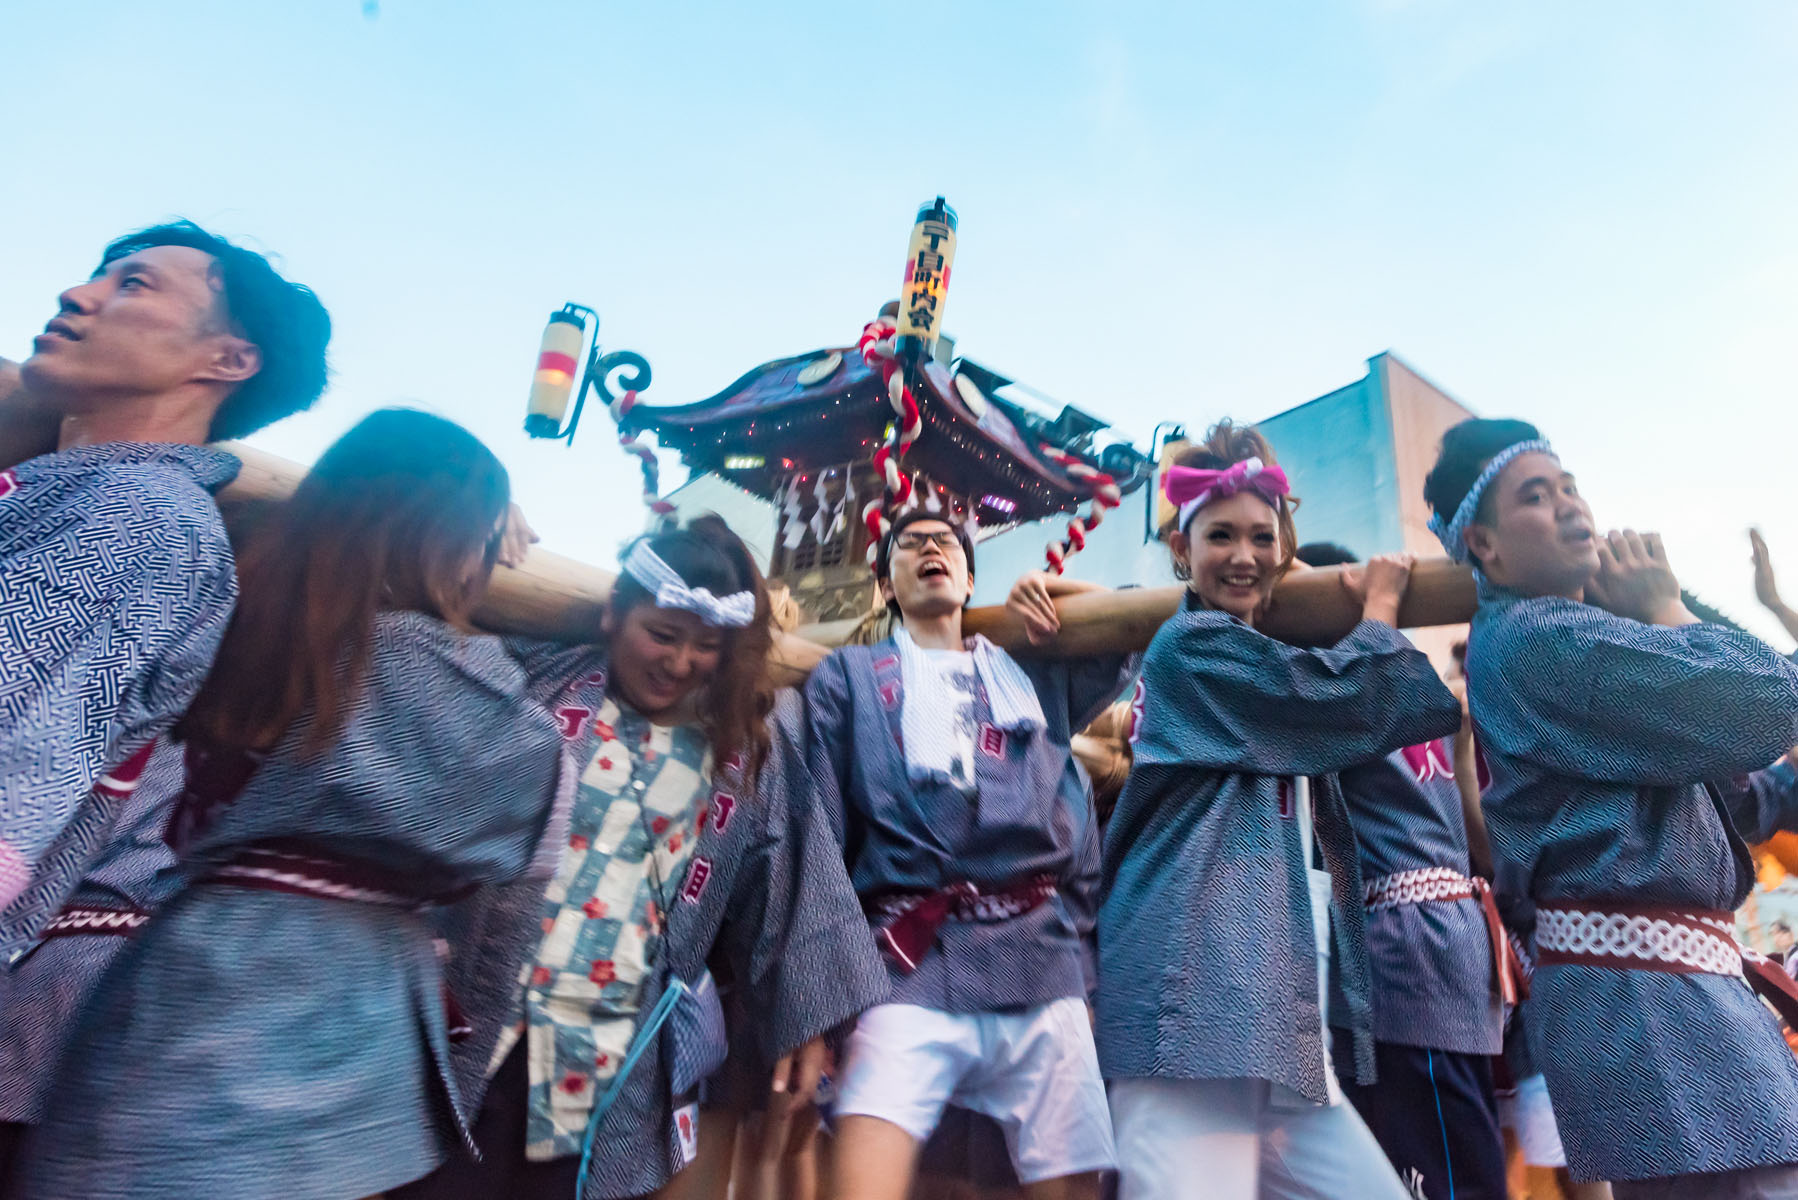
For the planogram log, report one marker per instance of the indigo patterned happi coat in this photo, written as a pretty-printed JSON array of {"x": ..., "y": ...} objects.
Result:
[
  {"x": 116, "y": 584},
  {"x": 1208, "y": 955},
  {"x": 45, "y": 990},
  {"x": 763, "y": 895},
  {"x": 1615, "y": 750},
  {"x": 1031, "y": 814},
  {"x": 261, "y": 1043},
  {"x": 1430, "y": 964}
]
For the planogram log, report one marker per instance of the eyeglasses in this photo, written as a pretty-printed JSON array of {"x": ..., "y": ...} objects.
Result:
[{"x": 942, "y": 539}]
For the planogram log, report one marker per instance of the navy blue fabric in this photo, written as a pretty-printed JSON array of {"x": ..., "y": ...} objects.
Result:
[
  {"x": 1436, "y": 1117},
  {"x": 45, "y": 990},
  {"x": 254, "y": 1042},
  {"x": 774, "y": 905},
  {"x": 1431, "y": 963},
  {"x": 1611, "y": 746},
  {"x": 116, "y": 585},
  {"x": 1032, "y": 815},
  {"x": 1208, "y": 959},
  {"x": 1763, "y": 803}
]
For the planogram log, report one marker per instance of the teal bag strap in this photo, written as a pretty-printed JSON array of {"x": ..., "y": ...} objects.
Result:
[{"x": 658, "y": 1016}]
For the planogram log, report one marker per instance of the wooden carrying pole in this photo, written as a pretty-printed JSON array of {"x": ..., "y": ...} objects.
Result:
[
  {"x": 550, "y": 596},
  {"x": 1310, "y": 608},
  {"x": 556, "y": 597}
]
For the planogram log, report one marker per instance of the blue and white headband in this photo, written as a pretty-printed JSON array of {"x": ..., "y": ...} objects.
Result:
[
  {"x": 671, "y": 591},
  {"x": 1452, "y": 533}
]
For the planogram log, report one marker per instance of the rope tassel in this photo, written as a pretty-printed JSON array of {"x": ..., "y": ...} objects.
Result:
[
  {"x": 876, "y": 348},
  {"x": 646, "y": 458},
  {"x": 1105, "y": 494}
]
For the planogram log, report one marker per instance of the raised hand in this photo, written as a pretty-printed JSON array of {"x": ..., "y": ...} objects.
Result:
[{"x": 1766, "y": 586}]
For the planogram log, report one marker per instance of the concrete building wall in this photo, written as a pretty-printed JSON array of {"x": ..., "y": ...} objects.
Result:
[{"x": 1421, "y": 413}]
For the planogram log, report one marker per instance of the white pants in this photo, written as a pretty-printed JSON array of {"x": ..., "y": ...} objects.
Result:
[
  {"x": 1221, "y": 1139},
  {"x": 1531, "y": 1118},
  {"x": 1034, "y": 1072}
]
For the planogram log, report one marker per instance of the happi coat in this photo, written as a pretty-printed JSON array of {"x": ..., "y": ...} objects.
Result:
[
  {"x": 116, "y": 585},
  {"x": 1208, "y": 955},
  {"x": 1614, "y": 750},
  {"x": 43, "y": 993},
  {"x": 252, "y": 1043},
  {"x": 1031, "y": 815},
  {"x": 763, "y": 895},
  {"x": 1430, "y": 964}
]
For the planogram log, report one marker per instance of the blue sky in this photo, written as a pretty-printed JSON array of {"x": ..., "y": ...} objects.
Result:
[{"x": 1579, "y": 214}]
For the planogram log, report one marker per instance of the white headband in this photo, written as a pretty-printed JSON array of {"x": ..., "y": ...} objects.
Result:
[
  {"x": 1450, "y": 533},
  {"x": 671, "y": 591}
]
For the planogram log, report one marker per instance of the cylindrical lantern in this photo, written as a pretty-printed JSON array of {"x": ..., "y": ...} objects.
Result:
[
  {"x": 558, "y": 365},
  {"x": 926, "y": 287}
]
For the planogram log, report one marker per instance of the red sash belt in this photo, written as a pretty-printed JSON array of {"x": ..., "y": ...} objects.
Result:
[
  {"x": 278, "y": 870},
  {"x": 1678, "y": 941},
  {"x": 1429, "y": 884},
  {"x": 906, "y": 924}
]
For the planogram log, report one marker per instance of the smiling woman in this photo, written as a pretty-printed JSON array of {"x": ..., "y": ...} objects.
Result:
[
  {"x": 689, "y": 834},
  {"x": 1239, "y": 739},
  {"x": 697, "y": 636},
  {"x": 1232, "y": 537}
]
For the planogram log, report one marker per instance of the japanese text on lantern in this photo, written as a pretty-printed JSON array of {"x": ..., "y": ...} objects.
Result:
[{"x": 927, "y": 276}]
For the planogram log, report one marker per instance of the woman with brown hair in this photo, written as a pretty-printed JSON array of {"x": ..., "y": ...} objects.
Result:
[
  {"x": 692, "y": 830},
  {"x": 357, "y": 754}
]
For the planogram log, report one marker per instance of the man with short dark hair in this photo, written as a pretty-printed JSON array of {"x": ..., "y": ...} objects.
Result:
[
  {"x": 116, "y": 584},
  {"x": 1627, "y": 743},
  {"x": 116, "y": 578},
  {"x": 971, "y": 840}
]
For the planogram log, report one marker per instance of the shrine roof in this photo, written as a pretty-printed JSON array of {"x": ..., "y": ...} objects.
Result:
[{"x": 828, "y": 407}]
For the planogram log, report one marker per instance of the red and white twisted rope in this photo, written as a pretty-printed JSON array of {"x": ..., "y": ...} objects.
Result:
[
  {"x": 1105, "y": 495},
  {"x": 646, "y": 456},
  {"x": 876, "y": 347}
]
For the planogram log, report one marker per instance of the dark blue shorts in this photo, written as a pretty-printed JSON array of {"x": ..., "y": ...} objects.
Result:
[{"x": 1435, "y": 1115}]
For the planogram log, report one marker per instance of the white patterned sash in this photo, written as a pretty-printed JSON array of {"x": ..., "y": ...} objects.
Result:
[{"x": 1427, "y": 885}]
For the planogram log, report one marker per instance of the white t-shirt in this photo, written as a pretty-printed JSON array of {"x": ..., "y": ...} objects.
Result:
[{"x": 953, "y": 685}]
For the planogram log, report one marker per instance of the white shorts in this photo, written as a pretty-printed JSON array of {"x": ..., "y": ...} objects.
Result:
[
  {"x": 1232, "y": 1139},
  {"x": 1531, "y": 1119},
  {"x": 1035, "y": 1072}
]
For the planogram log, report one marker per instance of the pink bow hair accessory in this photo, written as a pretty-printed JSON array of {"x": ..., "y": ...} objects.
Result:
[{"x": 1192, "y": 488}]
